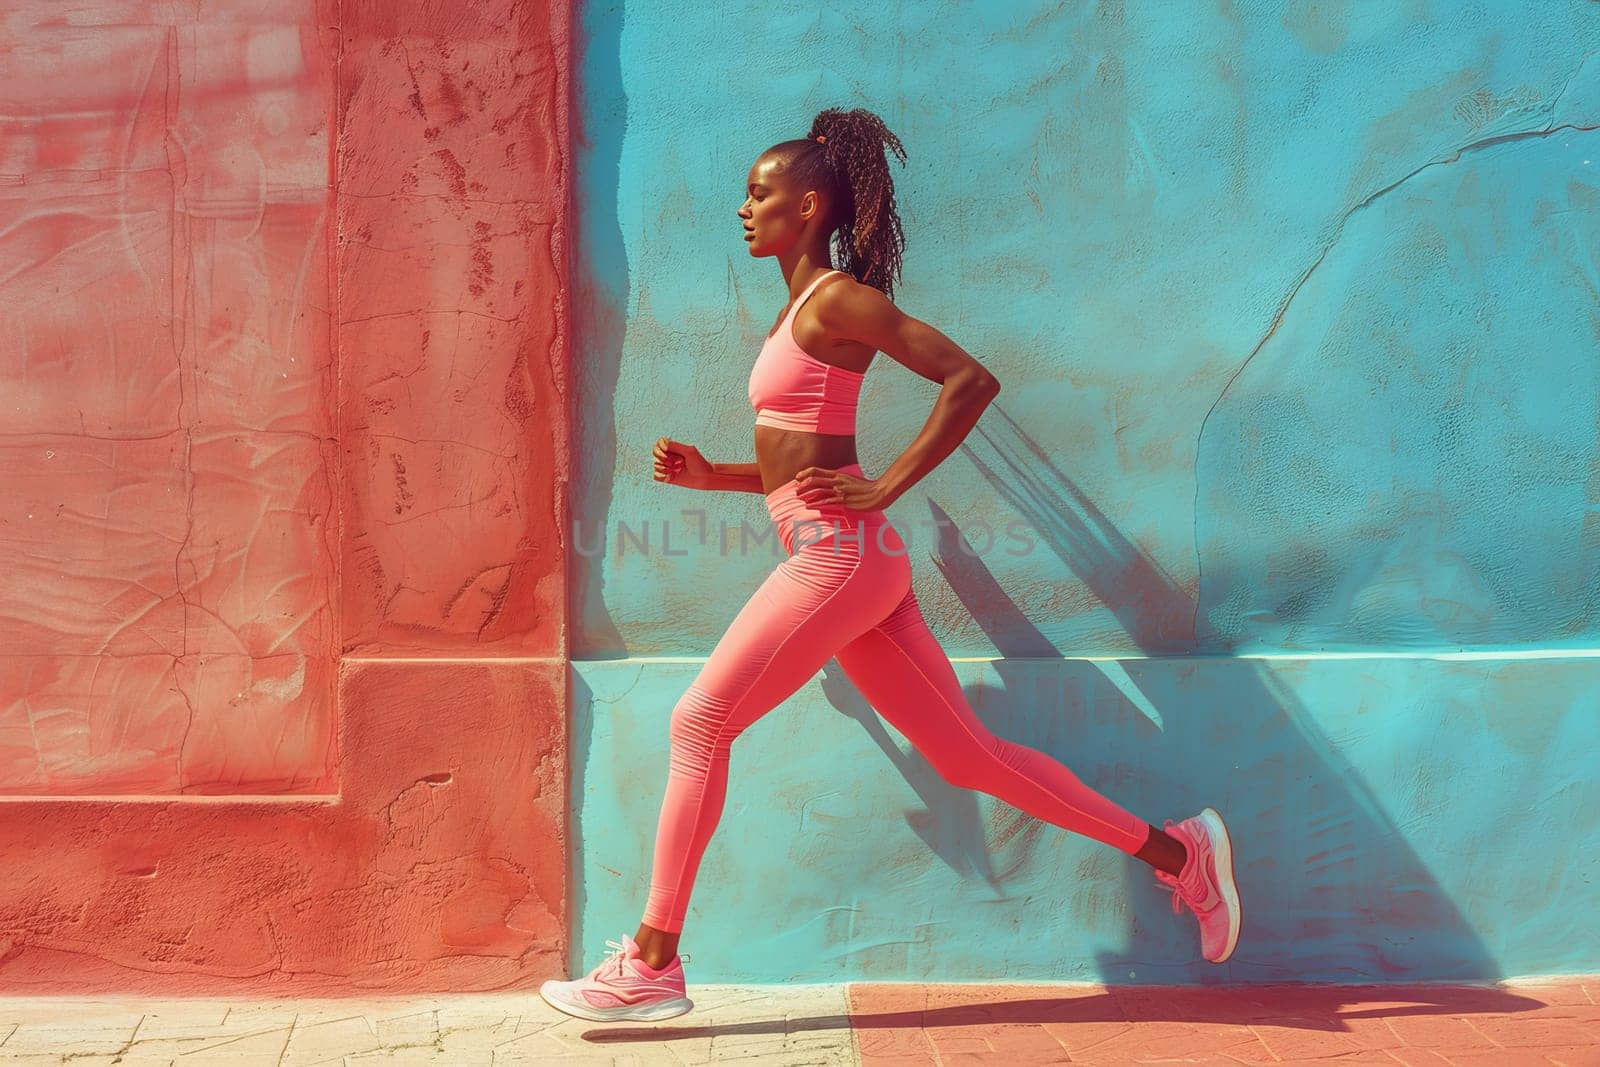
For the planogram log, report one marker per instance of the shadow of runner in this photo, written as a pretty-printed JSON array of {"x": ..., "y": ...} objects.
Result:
[
  {"x": 949, "y": 821},
  {"x": 915, "y": 1007},
  {"x": 1331, "y": 888},
  {"x": 599, "y": 287}
]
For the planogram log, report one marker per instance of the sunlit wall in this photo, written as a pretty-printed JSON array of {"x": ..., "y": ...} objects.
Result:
[{"x": 1293, "y": 308}]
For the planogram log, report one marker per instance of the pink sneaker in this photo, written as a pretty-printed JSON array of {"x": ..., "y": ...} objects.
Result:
[
  {"x": 622, "y": 989},
  {"x": 1206, "y": 884}
]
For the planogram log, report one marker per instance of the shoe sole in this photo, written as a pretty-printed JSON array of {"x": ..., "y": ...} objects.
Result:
[
  {"x": 1222, "y": 851},
  {"x": 648, "y": 1013}
]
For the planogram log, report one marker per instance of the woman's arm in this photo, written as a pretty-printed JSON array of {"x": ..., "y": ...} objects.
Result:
[
  {"x": 862, "y": 313},
  {"x": 736, "y": 477},
  {"x": 681, "y": 464},
  {"x": 955, "y": 412}
]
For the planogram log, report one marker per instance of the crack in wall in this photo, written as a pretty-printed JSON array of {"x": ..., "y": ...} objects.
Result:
[{"x": 1283, "y": 307}]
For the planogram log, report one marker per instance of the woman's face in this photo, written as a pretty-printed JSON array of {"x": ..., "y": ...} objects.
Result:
[{"x": 774, "y": 214}]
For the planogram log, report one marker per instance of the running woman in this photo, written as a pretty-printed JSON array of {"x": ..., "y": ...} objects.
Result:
[{"x": 844, "y": 590}]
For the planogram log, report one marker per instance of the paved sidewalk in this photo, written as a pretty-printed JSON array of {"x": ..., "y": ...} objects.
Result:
[
  {"x": 870, "y": 1024},
  {"x": 1518, "y": 1024}
]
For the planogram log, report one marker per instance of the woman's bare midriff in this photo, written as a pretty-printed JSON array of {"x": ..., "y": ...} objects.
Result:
[{"x": 781, "y": 454}]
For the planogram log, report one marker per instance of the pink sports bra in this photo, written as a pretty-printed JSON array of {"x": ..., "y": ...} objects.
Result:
[{"x": 793, "y": 390}]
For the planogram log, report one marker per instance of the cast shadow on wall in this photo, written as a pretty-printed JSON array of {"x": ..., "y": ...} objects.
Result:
[
  {"x": 1325, "y": 873},
  {"x": 600, "y": 284}
]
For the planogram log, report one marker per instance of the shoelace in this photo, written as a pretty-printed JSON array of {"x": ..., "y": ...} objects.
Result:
[
  {"x": 1179, "y": 899},
  {"x": 611, "y": 966},
  {"x": 1181, "y": 894}
]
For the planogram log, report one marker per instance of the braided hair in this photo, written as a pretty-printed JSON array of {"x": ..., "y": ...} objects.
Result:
[{"x": 845, "y": 157}]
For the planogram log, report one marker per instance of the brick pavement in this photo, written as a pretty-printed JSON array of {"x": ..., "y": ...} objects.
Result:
[{"x": 875, "y": 1025}]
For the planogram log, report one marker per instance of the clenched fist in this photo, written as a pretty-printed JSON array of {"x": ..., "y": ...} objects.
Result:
[{"x": 681, "y": 464}]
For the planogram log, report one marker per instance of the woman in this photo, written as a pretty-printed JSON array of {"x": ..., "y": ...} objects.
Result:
[{"x": 844, "y": 592}]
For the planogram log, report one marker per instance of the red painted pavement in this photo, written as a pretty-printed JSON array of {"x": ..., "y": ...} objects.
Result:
[
  {"x": 1516, "y": 1024},
  {"x": 282, "y": 689}
]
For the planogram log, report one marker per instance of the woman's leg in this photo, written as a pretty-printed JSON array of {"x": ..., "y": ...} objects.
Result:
[
  {"x": 905, "y": 675},
  {"x": 812, "y": 604}
]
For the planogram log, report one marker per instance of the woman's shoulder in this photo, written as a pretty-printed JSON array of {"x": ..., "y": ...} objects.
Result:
[{"x": 841, "y": 297}]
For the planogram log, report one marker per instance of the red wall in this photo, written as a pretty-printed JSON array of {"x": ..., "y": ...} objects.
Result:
[{"x": 283, "y": 355}]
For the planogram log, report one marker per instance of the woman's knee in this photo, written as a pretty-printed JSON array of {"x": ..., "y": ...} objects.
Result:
[
  {"x": 959, "y": 773},
  {"x": 700, "y": 721},
  {"x": 970, "y": 765}
]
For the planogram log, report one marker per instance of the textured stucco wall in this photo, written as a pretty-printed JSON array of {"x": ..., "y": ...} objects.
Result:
[
  {"x": 1294, "y": 309},
  {"x": 1394, "y": 818},
  {"x": 284, "y": 361},
  {"x": 166, "y": 373}
]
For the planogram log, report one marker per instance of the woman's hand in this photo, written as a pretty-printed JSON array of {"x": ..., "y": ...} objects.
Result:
[
  {"x": 823, "y": 485},
  {"x": 681, "y": 464}
]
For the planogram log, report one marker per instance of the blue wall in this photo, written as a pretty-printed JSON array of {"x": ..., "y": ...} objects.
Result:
[
  {"x": 1394, "y": 818},
  {"x": 1294, "y": 307}
]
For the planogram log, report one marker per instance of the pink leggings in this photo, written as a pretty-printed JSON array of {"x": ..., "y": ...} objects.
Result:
[{"x": 844, "y": 594}]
